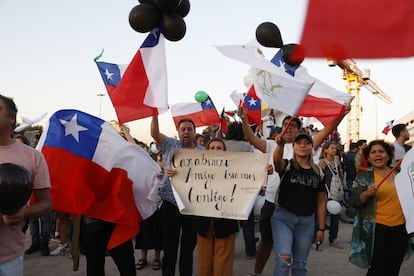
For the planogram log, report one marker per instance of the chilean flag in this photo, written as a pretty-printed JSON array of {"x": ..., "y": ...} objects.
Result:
[
  {"x": 323, "y": 102},
  {"x": 359, "y": 29},
  {"x": 95, "y": 172},
  {"x": 253, "y": 106},
  {"x": 388, "y": 127},
  {"x": 202, "y": 114},
  {"x": 139, "y": 90}
]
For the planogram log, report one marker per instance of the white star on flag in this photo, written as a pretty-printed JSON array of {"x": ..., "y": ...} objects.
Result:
[
  {"x": 108, "y": 74},
  {"x": 252, "y": 102},
  {"x": 72, "y": 127}
]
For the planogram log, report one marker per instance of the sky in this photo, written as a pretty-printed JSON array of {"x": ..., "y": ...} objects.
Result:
[{"x": 47, "y": 52}]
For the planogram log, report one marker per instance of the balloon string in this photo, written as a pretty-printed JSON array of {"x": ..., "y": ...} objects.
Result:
[{"x": 390, "y": 172}]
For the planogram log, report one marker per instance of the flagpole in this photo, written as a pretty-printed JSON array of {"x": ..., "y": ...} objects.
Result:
[
  {"x": 389, "y": 173},
  {"x": 100, "y": 95}
]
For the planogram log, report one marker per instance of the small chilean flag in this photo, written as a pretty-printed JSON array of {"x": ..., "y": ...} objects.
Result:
[
  {"x": 139, "y": 90},
  {"x": 95, "y": 172},
  {"x": 388, "y": 127},
  {"x": 202, "y": 114}
]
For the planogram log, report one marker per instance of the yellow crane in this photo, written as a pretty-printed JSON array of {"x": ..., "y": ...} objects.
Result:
[{"x": 355, "y": 78}]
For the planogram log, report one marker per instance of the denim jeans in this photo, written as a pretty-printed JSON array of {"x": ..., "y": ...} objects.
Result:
[
  {"x": 12, "y": 268},
  {"x": 43, "y": 237},
  {"x": 292, "y": 235}
]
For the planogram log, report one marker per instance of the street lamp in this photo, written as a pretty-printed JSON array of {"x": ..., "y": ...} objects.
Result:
[{"x": 100, "y": 95}]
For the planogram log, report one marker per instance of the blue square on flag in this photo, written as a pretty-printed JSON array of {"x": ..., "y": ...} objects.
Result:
[
  {"x": 252, "y": 103},
  {"x": 65, "y": 132}
]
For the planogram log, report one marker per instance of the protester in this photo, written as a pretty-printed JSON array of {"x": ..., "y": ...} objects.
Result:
[
  {"x": 150, "y": 234},
  {"x": 235, "y": 141},
  {"x": 401, "y": 135},
  {"x": 360, "y": 160},
  {"x": 215, "y": 236},
  {"x": 94, "y": 238},
  {"x": 11, "y": 151},
  {"x": 173, "y": 221},
  {"x": 331, "y": 169},
  {"x": 62, "y": 228},
  {"x": 291, "y": 126},
  {"x": 379, "y": 238},
  {"x": 350, "y": 171},
  {"x": 301, "y": 195},
  {"x": 199, "y": 139}
]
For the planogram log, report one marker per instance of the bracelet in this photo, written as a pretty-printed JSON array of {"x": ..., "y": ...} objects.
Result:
[{"x": 319, "y": 229}]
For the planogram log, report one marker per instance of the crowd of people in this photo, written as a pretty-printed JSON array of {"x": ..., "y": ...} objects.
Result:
[{"x": 303, "y": 162}]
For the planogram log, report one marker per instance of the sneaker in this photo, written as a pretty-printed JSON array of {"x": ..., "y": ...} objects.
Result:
[
  {"x": 62, "y": 249},
  {"x": 336, "y": 244}
]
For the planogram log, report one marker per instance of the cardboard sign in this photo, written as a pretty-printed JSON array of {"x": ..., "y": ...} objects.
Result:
[{"x": 217, "y": 184}]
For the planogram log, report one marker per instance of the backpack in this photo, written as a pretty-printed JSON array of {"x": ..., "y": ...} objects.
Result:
[{"x": 335, "y": 189}]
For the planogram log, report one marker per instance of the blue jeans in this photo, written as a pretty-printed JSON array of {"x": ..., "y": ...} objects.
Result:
[
  {"x": 292, "y": 235},
  {"x": 12, "y": 268},
  {"x": 43, "y": 237}
]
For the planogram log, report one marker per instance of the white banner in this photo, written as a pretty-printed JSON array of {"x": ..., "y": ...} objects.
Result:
[
  {"x": 217, "y": 184},
  {"x": 404, "y": 182}
]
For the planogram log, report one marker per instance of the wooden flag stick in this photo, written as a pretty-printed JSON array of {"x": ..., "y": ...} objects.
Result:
[{"x": 390, "y": 172}]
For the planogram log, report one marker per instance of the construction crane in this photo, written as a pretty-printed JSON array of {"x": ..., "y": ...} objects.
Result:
[{"x": 355, "y": 78}]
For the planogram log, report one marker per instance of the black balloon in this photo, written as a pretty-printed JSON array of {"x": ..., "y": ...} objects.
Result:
[
  {"x": 152, "y": 2},
  {"x": 145, "y": 17},
  {"x": 293, "y": 54},
  {"x": 184, "y": 8},
  {"x": 15, "y": 188},
  {"x": 173, "y": 26},
  {"x": 268, "y": 35},
  {"x": 168, "y": 5}
]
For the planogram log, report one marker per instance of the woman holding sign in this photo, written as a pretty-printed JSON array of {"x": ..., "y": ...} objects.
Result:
[
  {"x": 301, "y": 195},
  {"x": 379, "y": 238},
  {"x": 216, "y": 236}
]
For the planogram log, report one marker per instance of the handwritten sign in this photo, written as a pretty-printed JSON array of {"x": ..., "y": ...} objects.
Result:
[{"x": 217, "y": 184}]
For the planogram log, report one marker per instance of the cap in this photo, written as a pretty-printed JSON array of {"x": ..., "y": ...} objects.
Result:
[{"x": 303, "y": 136}]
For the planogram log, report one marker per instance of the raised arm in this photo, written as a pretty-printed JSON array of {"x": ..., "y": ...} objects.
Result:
[
  {"x": 155, "y": 131},
  {"x": 255, "y": 141},
  {"x": 278, "y": 161},
  {"x": 319, "y": 137}
]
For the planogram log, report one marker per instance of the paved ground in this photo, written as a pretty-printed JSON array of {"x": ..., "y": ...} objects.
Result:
[{"x": 330, "y": 261}]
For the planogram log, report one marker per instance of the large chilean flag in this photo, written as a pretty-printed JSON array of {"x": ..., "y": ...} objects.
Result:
[
  {"x": 95, "y": 172},
  {"x": 139, "y": 90}
]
